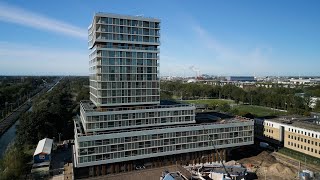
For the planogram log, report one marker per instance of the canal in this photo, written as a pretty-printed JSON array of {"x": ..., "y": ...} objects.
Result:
[{"x": 9, "y": 136}]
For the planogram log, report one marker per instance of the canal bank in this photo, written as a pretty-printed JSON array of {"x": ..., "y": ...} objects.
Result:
[{"x": 8, "y": 135}]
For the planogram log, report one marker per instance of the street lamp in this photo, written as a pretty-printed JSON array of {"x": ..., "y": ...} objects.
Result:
[{"x": 59, "y": 136}]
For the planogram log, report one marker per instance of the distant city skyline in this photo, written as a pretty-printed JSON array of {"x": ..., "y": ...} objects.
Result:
[{"x": 218, "y": 38}]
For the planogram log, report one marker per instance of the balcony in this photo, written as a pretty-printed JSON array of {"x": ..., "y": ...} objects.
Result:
[{"x": 129, "y": 48}]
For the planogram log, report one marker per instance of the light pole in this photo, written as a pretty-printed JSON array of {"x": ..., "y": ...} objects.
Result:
[{"x": 59, "y": 136}]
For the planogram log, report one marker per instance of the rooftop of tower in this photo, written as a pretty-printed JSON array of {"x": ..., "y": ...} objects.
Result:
[{"x": 121, "y": 16}]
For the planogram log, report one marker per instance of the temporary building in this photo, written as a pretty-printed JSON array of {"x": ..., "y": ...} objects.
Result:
[{"x": 43, "y": 151}]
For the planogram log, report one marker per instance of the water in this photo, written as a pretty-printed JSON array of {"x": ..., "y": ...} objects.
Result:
[{"x": 9, "y": 137}]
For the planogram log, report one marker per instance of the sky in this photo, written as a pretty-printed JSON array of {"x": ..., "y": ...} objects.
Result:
[{"x": 221, "y": 38}]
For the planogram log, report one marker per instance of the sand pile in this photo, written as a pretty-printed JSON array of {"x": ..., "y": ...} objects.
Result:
[
  {"x": 280, "y": 170},
  {"x": 266, "y": 163},
  {"x": 262, "y": 159}
]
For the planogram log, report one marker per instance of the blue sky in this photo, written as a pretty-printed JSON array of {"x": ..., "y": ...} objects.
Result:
[{"x": 216, "y": 37}]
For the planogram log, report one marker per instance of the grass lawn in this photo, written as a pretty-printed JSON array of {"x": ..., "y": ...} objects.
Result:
[
  {"x": 211, "y": 101},
  {"x": 258, "y": 111}
]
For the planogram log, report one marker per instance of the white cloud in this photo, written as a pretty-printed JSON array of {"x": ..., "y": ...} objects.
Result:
[
  {"x": 26, "y": 18},
  {"x": 230, "y": 61},
  {"x": 19, "y": 59}
]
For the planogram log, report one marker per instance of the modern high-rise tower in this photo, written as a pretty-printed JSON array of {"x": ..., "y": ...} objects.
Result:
[
  {"x": 125, "y": 124},
  {"x": 124, "y": 60}
]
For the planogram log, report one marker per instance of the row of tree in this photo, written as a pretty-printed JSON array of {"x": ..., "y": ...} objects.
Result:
[
  {"x": 16, "y": 90},
  {"x": 51, "y": 116},
  {"x": 276, "y": 97}
]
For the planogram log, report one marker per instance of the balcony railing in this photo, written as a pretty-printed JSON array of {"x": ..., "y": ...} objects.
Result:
[
  {"x": 130, "y": 48},
  {"x": 231, "y": 121}
]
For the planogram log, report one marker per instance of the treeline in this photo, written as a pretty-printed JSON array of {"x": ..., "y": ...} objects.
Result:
[
  {"x": 277, "y": 97},
  {"x": 16, "y": 90},
  {"x": 52, "y": 115}
]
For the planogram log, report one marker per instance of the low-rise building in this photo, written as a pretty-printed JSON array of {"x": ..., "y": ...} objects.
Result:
[
  {"x": 43, "y": 151},
  {"x": 297, "y": 133}
]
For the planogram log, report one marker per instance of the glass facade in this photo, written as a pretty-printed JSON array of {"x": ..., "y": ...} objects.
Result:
[
  {"x": 124, "y": 61},
  {"x": 125, "y": 120},
  {"x": 166, "y": 140}
]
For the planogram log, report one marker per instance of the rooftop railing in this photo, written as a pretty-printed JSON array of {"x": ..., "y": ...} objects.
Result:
[
  {"x": 231, "y": 121},
  {"x": 88, "y": 107}
]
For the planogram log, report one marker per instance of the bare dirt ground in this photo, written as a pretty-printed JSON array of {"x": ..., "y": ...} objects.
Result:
[{"x": 268, "y": 167}]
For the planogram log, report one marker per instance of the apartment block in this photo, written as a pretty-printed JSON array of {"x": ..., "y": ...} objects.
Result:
[
  {"x": 124, "y": 60},
  {"x": 296, "y": 133},
  {"x": 124, "y": 124}
]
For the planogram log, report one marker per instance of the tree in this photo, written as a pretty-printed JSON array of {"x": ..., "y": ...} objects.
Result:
[
  {"x": 317, "y": 106},
  {"x": 224, "y": 107}
]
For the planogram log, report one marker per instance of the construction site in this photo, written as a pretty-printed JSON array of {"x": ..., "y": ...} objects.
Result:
[{"x": 260, "y": 164}]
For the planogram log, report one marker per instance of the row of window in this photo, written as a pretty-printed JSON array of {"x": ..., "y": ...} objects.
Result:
[
  {"x": 124, "y": 54},
  {"x": 124, "y": 62},
  {"x": 128, "y": 92},
  {"x": 121, "y": 151},
  {"x": 128, "y": 30},
  {"x": 114, "y": 76},
  {"x": 124, "y": 77},
  {"x": 138, "y": 115},
  {"x": 125, "y": 70},
  {"x": 125, "y": 85},
  {"x": 138, "y": 122},
  {"x": 269, "y": 130},
  {"x": 117, "y": 100},
  {"x": 155, "y": 150},
  {"x": 304, "y": 133},
  {"x": 125, "y": 37},
  {"x": 216, "y": 133},
  {"x": 128, "y": 22},
  {"x": 316, "y": 151},
  {"x": 269, "y": 124},
  {"x": 124, "y": 46},
  {"x": 303, "y": 140}
]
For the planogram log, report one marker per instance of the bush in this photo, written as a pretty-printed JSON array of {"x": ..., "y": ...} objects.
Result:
[{"x": 12, "y": 165}]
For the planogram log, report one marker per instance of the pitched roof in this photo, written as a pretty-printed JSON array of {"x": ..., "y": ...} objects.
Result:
[{"x": 44, "y": 146}]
